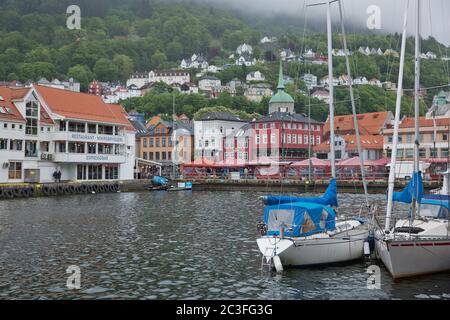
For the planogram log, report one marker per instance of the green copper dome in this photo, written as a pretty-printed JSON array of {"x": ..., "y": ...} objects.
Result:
[{"x": 281, "y": 96}]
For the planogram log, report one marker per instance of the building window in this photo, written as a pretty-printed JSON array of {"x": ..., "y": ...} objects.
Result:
[
  {"x": 157, "y": 156},
  {"x": 95, "y": 172},
  {"x": 15, "y": 145},
  {"x": 92, "y": 128},
  {"x": 264, "y": 138},
  {"x": 288, "y": 138},
  {"x": 62, "y": 126},
  {"x": 76, "y": 147},
  {"x": 111, "y": 172},
  {"x": 433, "y": 153},
  {"x": 107, "y": 130},
  {"x": 400, "y": 153},
  {"x": 150, "y": 156},
  {"x": 92, "y": 148},
  {"x": 422, "y": 153},
  {"x": 273, "y": 138},
  {"x": 444, "y": 153},
  {"x": 157, "y": 142},
  {"x": 294, "y": 139},
  {"x": 32, "y": 110},
  {"x": 305, "y": 139},
  {"x": 257, "y": 139},
  {"x": 145, "y": 156},
  {"x": 61, "y": 147},
  {"x": 3, "y": 144},
  {"x": 77, "y": 127},
  {"x": 300, "y": 139},
  {"x": 169, "y": 155},
  {"x": 409, "y": 153},
  {"x": 15, "y": 170},
  {"x": 164, "y": 156},
  {"x": 163, "y": 142},
  {"x": 105, "y": 148},
  {"x": 317, "y": 140},
  {"x": 151, "y": 143},
  {"x": 444, "y": 137},
  {"x": 145, "y": 143},
  {"x": 81, "y": 172},
  {"x": 390, "y": 139},
  {"x": 30, "y": 149}
]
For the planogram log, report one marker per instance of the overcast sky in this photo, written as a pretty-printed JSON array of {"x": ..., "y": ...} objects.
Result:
[{"x": 355, "y": 11}]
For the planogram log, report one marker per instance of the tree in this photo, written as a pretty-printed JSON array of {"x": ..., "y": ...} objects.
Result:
[
  {"x": 82, "y": 74},
  {"x": 106, "y": 70},
  {"x": 125, "y": 66},
  {"x": 158, "y": 60}
]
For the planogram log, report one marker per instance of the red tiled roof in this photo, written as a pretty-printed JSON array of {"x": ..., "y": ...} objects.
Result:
[
  {"x": 120, "y": 112},
  {"x": 368, "y": 142},
  {"x": 369, "y": 123},
  {"x": 424, "y": 122},
  {"x": 9, "y": 95},
  {"x": 80, "y": 106}
]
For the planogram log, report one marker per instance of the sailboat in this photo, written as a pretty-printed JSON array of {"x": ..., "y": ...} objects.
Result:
[
  {"x": 419, "y": 244},
  {"x": 305, "y": 231}
]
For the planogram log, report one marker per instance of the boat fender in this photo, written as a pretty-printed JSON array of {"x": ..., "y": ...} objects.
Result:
[
  {"x": 2, "y": 192},
  {"x": 366, "y": 249},
  {"x": 66, "y": 190},
  {"x": 90, "y": 188},
  {"x": 9, "y": 194},
  {"x": 111, "y": 188},
  {"x": 17, "y": 192},
  {"x": 32, "y": 191},
  {"x": 277, "y": 264},
  {"x": 103, "y": 188},
  {"x": 53, "y": 191},
  {"x": 60, "y": 189},
  {"x": 46, "y": 190},
  {"x": 25, "y": 192},
  {"x": 95, "y": 188},
  {"x": 84, "y": 188},
  {"x": 73, "y": 189},
  {"x": 116, "y": 187}
]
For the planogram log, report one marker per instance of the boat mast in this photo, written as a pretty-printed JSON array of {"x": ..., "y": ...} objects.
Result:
[
  {"x": 415, "y": 205},
  {"x": 396, "y": 123},
  {"x": 309, "y": 140},
  {"x": 352, "y": 98},
  {"x": 174, "y": 139},
  {"x": 331, "y": 89}
]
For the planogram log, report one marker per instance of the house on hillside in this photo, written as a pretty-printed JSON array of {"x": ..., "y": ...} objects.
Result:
[{"x": 255, "y": 76}]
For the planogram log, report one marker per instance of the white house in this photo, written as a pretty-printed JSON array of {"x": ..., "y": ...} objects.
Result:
[
  {"x": 322, "y": 95},
  {"x": 268, "y": 40},
  {"x": 245, "y": 60},
  {"x": 310, "y": 80},
  {"x": 344, "y": 80},
  {"x": 360, "y": 81},
  {"x": 375, "y": 82},
  {"x": 43, "y": 129},
  {"x": 209, "y": 134},
  {"x": 139, "y": 79},
  {"x": 208, "y": 83},
  {"x": 287, "y": 55},
  {"x": 255, "y": 76},
  {"x": 196, "y": 61},
  {"x": 309, "y": 54},
  {"x": 121, "y": 93},
  {"x": 244, "y": 49},
  {"x": 169, "y": 76},
  {"x": 258, "y": 91},
  {"x": 326, "y": 82},
  {"x": 70, "y": 85}
]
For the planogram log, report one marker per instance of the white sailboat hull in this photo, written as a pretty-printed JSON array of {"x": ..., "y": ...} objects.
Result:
[
  {"x": 343, "y": 247},
  {"x": 409, "y": 258}
]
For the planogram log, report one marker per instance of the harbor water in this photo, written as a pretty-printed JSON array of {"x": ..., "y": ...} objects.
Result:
[{"x": 180, "y": 245}]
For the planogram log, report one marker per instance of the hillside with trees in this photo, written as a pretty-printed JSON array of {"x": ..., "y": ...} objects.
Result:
[{"x": 121, "y": 36}]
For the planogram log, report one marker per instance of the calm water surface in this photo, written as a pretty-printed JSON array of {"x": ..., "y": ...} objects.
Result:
[{"x": 197, "y": 245}]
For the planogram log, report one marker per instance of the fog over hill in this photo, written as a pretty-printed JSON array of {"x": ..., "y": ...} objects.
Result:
[{"x": 435, "y": 20}]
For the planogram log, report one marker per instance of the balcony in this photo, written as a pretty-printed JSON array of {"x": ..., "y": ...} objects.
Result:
[
  {"x": 87, "y": 137},
  {"x": 88, "y": 158}
]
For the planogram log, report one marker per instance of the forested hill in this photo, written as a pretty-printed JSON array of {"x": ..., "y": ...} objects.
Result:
[{"x": 121, "y": 36}]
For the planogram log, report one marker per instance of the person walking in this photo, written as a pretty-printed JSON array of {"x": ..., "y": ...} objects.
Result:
[
  {"x": 59, "y": 175},
  {"x": 55, "y": 176}
]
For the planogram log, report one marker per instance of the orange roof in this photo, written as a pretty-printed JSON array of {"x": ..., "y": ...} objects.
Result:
[
  {"x": 368, "y": 142},
  {"x": 120, "y": 112},
  {"x": 369, "y": 123},
  {"x": 9, "y": 95},
  {"x": 424, "y": 122},
  {"x": 80, "y": 106}
]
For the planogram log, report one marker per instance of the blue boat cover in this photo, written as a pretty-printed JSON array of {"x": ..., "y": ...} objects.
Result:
[
  {"x": 299, "y": 219},
  {"x": 436, "y": 202},
  {"x": 159, "y": 181},
  {"x": 328, "y": 199},
  {"x": 414, "y": 188}
]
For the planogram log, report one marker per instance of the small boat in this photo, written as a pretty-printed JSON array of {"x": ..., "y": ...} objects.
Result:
[
  {"x": 304, "y": 234},
  {"x": 419, "y": 244},
  {"x": 182, "y": 186},
  {"x": 305, "y": 231}
]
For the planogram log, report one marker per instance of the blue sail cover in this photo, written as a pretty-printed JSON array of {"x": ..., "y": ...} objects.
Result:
[
  {"x": 328, "y": 199},
  {"x": 299, "y": 219},
  {"x": 413, "y": 189},
  {"x": 159, "y": 181}
]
